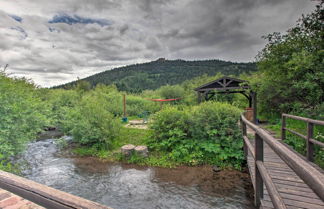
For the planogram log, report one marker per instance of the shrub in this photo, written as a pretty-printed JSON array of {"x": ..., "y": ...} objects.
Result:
[
  {"x": 61, "y": 101},
  {"x": 137, "y": 105},
  {"x": 170, "y": 126},
  {"x": 90, "y": 123},
  {"x": 23, "y": 115},
  {"x": 207, "y": 133},
  {"x": 171, "y": 92},
  {"x": 110, "y": 97}
]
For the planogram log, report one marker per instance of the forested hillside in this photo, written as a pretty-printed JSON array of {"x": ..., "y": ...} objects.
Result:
[{"x": 152, "y": 75}]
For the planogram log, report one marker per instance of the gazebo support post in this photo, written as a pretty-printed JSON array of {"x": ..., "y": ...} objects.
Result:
[
  {"x": 254, "y": 106},
  {"x": 199, "y": 97}
]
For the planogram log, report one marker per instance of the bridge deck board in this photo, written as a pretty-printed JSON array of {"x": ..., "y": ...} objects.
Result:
[{"x": 293, "y": 190}]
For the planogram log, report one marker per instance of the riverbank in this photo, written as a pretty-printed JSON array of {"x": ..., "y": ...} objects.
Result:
[
  {"x": 128, "y": 135},
  {"x": 128, "y": 186}
]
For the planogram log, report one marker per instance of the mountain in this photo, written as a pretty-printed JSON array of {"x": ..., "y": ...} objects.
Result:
[{"x": 152, "y": 75}]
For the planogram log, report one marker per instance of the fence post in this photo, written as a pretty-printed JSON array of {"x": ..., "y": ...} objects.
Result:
[
  {"x": 283, "y": 127},
  {"x": 245, "y": 149},
  {"x": 310, "y": 145},
  {"x": 258, "y": 177}
]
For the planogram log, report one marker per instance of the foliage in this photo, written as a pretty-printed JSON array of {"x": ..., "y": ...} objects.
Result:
[
  {"x": 125, "y": 136},
  {"x": 61, "y": 102},
  {"x": 82, "y": 86},
  {"x": 109, "y": 97},
  {"x": 171, "y": 92},
  {"x": 61, "y": 143},
  {"x": 152, "y": 75},
  {"x": 90, "y": 123},
  {"x": 137, "y": 105},
  {"x": 23, "y": 115},
  {"x": 291, "y": 76},
  {"x": 207, "y": 133}
]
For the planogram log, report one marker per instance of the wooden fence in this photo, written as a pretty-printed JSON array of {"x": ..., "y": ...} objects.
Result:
[
  {"x": 309, "y": 174},
  {"x": 310, "y": 141}
]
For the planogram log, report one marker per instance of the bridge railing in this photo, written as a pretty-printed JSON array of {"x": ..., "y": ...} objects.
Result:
[
  {"x": 43, "y": 195},
  {"x": 310, "y": 141},
  {"x": 310, "y": 175}
]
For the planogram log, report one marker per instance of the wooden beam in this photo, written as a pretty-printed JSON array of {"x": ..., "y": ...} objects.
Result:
[
  {"x": 309, "y": 144},
  {"x": 228, "y": 82},
  {"x": 317, "y": 122},
  {"x": 271, "y": 187},
  {"x": 220, "y": 83},
  {"x": 44, "y": 195},
  {"x": 124, "y": 105},
  {"x": 224, "y": 88},
  {"x": 283, "y": 127},
  {"x": 258, "y": 178}
]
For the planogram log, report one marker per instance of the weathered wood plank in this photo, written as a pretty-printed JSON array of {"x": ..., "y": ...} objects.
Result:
[
  {"x": 296, "y": 203},
  {"x": 44, "y": 195}
]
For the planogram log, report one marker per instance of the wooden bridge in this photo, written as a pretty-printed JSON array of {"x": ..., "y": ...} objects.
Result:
[{"x": 290, "y": 179}]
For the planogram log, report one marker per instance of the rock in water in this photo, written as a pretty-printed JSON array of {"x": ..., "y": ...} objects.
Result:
[
  {"x": 127, "y": 150},
  {"x": 141, "y": 150}
]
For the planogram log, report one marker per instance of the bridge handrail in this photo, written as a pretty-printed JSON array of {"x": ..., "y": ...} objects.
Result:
[
  {"x": 310, "y": 141},
  {"x": 261, "y": 173},
  {"x": 310, "y": 175},
  {"x": 43, "y": 195},
  {"x": 317, "y": 122}
]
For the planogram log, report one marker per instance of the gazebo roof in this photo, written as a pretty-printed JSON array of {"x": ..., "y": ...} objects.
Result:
[{"x": 223, "y": 84}]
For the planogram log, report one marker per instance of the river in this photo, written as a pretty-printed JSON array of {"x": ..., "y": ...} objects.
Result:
[{"x": 123, "y": 186}]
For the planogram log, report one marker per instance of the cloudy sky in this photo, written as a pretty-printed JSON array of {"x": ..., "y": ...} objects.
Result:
[{"x": 56, "y": 41}]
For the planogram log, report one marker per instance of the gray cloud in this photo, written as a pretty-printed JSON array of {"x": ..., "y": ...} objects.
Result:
[{"x": 122, "y": 32}]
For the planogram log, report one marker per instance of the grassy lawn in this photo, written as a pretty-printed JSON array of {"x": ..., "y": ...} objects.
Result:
[{"x": 131, "y": 136}]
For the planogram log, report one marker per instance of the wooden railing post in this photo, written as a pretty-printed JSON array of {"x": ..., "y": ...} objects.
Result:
[
  {"x": 283, "y": 127},
  {"x": 310, "y": 145},
  {"x": 258, "y": 177},
  {"x": 245, "y": 149}
]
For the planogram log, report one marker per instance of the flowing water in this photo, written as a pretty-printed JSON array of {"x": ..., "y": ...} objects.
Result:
[{"x": 123, "y": 186}]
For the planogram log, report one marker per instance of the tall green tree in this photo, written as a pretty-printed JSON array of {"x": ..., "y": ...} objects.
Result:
[{"x": 291, "y": 76}]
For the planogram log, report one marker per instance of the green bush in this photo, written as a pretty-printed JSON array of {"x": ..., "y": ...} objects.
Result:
[
  {"x": 23, "y": 115},
  {"x": 90, "y": 123},
  {"x": 110, "y": 97},
  {"x": 207, "y": 133},
  {"x": 61, "y": 102},
  {"x": 171, "y": 92},
  {"x": 137, "y": 105}
]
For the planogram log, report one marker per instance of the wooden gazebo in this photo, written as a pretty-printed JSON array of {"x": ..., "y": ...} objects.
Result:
[{"x": 228, "y": 85}]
